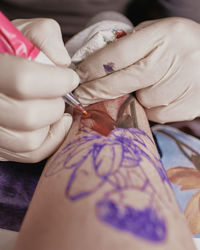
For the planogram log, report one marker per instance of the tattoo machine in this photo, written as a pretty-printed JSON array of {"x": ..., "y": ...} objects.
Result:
[{"x": 12, "y": 41}]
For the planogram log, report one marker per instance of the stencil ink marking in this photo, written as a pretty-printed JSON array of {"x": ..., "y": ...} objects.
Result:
[{"x": 124, "y": 150}]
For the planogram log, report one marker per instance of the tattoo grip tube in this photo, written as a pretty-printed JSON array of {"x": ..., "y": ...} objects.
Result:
[{"x": 13, "y": 42}]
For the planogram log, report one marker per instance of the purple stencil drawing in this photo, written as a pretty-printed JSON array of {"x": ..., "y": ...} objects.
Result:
[
  {"x": 109, "y": 67},
  {"x": 144, "y": 223},
  {"x": 123, "y": 173}
]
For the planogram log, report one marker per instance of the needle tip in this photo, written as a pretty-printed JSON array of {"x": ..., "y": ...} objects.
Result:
[
  {"x": 82, "y": 110},
  {"x": 85, "y": 112}
]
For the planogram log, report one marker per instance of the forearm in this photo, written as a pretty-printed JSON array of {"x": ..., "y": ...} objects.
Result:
[{"x": 105, "y": 189}]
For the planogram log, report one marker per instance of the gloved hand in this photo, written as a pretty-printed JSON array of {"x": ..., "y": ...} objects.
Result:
[
  {"x": 32, "y": 119},
  {"x": 160, "y": 59}
]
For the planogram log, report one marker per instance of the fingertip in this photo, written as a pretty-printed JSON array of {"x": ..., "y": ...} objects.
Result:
[
  {"x": 59, "y": 56},
  {"x": 68, "y": 59},
  {"x": 55, "y": 138},
  {"x": 67, "y": 122},
  {"x": 73, "y": 81},
  {"x": 76, "y": 78},
  {"x": 62, "y": 57},
  {"x": 157, "y": 115}
]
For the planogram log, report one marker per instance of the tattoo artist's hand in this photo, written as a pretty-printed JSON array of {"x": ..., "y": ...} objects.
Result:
[
  {"x": 161, "y": 60},
  {"x": 32, "y": 120}
]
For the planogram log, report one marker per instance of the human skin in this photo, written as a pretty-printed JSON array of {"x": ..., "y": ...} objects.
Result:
[{"x": 105, "y": 188}]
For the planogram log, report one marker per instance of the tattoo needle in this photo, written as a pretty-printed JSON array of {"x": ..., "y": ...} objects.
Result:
[{"x": 74, "y": 102}]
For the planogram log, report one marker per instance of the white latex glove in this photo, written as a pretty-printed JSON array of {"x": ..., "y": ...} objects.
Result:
[
  {"x": 160, "y": 59},
  {"x": 32, "y": 120}
]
